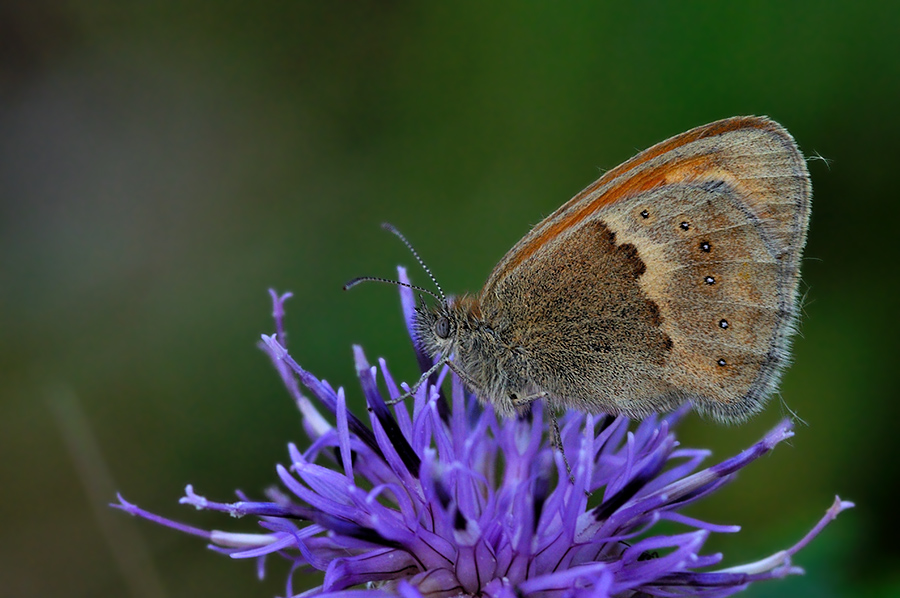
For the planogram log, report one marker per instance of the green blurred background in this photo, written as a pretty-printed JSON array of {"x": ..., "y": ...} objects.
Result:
[{"x": 163, "y": 164}]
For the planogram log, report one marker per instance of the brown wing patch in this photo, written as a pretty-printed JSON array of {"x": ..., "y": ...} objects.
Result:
[{"x": 592, "y": 336}]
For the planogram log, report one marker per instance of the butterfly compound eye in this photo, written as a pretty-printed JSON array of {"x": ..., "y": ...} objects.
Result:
[{"x": 442, "y": 327}]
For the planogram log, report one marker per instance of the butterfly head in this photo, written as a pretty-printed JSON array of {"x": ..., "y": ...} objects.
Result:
[{"x": 438, "y": 327}]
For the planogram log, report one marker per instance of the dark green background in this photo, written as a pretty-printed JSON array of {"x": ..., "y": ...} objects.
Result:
[{"x": 162, "y": 165}]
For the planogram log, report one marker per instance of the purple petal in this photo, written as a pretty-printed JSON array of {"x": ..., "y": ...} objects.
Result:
[
  {"x": 408, "y": 302},
  {"x": 783, "y": 557},
  {"x": 133, "y": 509},
  {"x": 321, "y": 390},
  {"x": 278, "y": 310},
  {"x": 377, "y": 406},
  {"x": 376, "y": 565}
]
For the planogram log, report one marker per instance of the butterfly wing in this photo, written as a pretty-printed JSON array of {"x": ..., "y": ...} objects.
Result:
[{"x": 673, "y": 277}]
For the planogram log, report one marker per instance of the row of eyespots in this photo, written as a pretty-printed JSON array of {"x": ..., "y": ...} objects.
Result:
[
  {"x": 723, "y": 324},
  {"x": 705, "y": 247}
]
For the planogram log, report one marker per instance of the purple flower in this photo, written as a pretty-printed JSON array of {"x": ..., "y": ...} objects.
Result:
[{"x": 454, "y": 501}]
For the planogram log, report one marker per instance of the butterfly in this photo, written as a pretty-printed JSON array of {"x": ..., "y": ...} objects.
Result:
[{"x": 672, "y": 278}]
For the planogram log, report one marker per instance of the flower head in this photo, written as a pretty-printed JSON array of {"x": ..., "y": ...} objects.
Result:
[{"x": 453, "y": 500}]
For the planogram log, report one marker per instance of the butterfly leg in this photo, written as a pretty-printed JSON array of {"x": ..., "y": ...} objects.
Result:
[
  {"x": 422, "y": 379},
  {"x": 555, "y": 435},
  {"x": 467, "y": 381}
]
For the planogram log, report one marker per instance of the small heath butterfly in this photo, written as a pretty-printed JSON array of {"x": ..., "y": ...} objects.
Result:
[{"x": 671, "y": 279}]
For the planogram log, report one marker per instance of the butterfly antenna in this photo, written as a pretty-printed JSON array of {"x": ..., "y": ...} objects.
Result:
[
  {"x": 390, "y": 227},
  {"x": 356, "y": 281}
]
